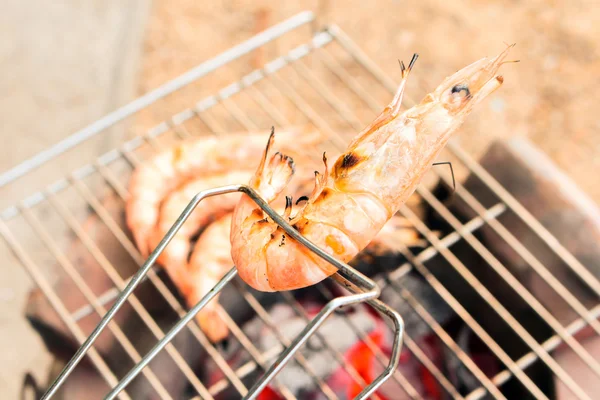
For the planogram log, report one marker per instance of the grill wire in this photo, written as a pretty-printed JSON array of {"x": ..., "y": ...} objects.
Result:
[{"x": 332, "y": 71}]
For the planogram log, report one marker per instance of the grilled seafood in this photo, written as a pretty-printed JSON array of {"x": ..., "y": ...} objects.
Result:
[
  {"x": 166, "y": 171},
  {"x": 211, "y": 255},
  {"x": 209, "y": 262},
  {"x": 211, "y": 259},
  {"x": 177, "y": 251},
  {"x": 175, "y": 256},
  {"x": 367, "y": 185}
]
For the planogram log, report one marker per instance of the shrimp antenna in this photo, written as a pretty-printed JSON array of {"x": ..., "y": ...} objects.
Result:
[{"x": 451, "y": 171}]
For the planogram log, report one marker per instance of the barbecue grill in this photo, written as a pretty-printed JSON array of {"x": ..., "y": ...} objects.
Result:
[{"x": 321, "y": 80}]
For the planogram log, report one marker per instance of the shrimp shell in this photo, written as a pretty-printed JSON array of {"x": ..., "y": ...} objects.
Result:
[
  {"x": 164, "y": 172},
  {"x": 211, "y": 259},
  {"x": 367, "y": 185},
  {"x": 175, "y": 256}
]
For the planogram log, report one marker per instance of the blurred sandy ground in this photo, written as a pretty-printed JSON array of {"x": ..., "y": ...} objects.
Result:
[{"x": 551, "y": 96}]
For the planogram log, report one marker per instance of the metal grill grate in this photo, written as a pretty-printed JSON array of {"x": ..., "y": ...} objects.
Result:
[{"x": 323, "y": 82}]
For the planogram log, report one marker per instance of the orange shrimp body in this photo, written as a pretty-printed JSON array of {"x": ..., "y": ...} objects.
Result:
[
  {"x": 367, "y": 185},
  {"x": 211, "y": 259},
  {"x": 153, "y": 180},
  {"x": 209, "y": 262},
  {"x": 175, "y": 256}
]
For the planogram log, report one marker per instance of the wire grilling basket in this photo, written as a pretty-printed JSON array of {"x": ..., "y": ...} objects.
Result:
[{"x": 337, "y": 79}]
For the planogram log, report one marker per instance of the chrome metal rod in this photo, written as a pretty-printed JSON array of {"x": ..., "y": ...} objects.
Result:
[
  {"x": 133, "y": 283},
  {"x": 345, "y": 272},
  {"x": 181, "y": 81},
  {"x": 350, "y": 277},
  {"x": 396, "y": 348},
  {"x": 525, "y": 361},
  {"x": 425, "y": 255},
  {"x": 171, "y": 334},
  {"x": 53, "y": 298},
  {"x": 343, "y": 269},
  {"x": 303, "y": 336},
  {"x": 70, "y": 269}
]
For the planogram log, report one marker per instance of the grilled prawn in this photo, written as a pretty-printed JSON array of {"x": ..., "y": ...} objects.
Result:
[
  {"x": 367, "y": 185},
  {"x": 211, "y": 259},
  {"x": 174, "y": 257},
  {"x": 209, "y": 262},
  {"x": 155, "y": 178}
]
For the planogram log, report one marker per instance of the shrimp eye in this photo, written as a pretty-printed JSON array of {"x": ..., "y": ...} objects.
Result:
[{"x": 460, "y": 88}]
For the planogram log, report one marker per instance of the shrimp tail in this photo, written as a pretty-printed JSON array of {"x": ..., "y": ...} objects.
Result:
[{"x": 272, "y": 177}]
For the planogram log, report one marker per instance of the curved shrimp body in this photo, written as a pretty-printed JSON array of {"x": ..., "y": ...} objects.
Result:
[
  {"x": 166, "y": 171},
  {"x": 174, "y": 257},
  {"x": 209, "y": 262},
  {"x": 367, "y": 185},
  {"x": 211, "y": 259}
]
